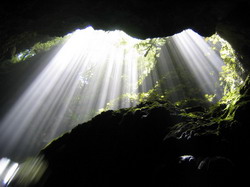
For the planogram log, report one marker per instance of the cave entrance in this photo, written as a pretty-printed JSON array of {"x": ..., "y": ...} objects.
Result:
[{"x": 90, "y": 71}]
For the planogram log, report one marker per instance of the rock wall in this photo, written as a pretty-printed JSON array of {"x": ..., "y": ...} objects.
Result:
[{"x": 153, "y": 144}]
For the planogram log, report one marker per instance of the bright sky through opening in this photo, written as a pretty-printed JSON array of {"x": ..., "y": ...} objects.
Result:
[{"x": 93, "y": 68}]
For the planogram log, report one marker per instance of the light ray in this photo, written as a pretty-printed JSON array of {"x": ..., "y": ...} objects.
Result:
[
  {"x": 94, "y": 69},
  {"x": 41, "y": 110},
  {"x": 184, "y": 65},
  {"x": 194, "y": 50}
]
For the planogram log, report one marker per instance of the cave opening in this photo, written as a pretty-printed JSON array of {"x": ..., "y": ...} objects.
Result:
[{"x": 90, "y": 71}]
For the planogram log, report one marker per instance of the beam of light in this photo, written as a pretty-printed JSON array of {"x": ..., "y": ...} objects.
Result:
[
  {"x": 8, "y": 170},
  {"x": 191, "y": 65},
  {"x": 11, "y": 173},
  {"x": 4, "y": 162},
  {"x": 92, "y": 69},
  {"x": 24, "y": 174},
  {"x": 200, "y": 59},
  {"x": 80, "y": 79}
]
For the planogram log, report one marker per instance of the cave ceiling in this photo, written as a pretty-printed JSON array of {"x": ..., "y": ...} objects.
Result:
[{"x": 138, "y": 18}]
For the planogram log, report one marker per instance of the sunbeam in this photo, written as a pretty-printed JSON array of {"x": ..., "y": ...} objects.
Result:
[
  {"x": 186, "y": 61},
  {"x": 96, "y": 59},
  {"x": 97, "y": 70}
]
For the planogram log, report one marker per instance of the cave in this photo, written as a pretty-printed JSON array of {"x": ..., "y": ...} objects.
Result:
[{"x": 155, "y": 136}]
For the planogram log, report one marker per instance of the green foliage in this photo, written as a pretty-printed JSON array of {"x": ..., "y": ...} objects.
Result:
[
  {"x": 36, "y": 49},
  {"x": 22, "y": 56},
  {"x": 230, "y": 79},
  {"x": 41, "y": 47},
  {"x": 230, "y": 76},
  {"x": 192, "y": 102},
  {"x": 131, "y": 98},
  {"x": 150, "y": 51},
  {"x": 210, "y": 97},
  {"x": 192, "y": 115}
]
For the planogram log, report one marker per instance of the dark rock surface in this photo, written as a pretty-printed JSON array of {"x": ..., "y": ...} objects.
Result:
[
  {"x": 153, "y": 144},
  {"x": 146, "y": 145}
]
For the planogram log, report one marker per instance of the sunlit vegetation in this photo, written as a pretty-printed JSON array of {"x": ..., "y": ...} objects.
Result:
[
  {"x": 149, "y": 50},
  {"x": 37, "y": 49},
  {"x": 96, "y": 71},
  {"x": 231, "y": 74},
  {"x": 229, "y": 78}
]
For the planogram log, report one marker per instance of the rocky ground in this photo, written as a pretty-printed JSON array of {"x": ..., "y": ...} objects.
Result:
[{"x": 155, "y": 144}]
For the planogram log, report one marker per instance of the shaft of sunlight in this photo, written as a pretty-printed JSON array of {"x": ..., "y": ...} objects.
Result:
[
  {"x": 87, "y": 71},
  {"x": 200, "y": 60},
  {"x": 186, "y": 68},
  {"x": 95, "y": 69}
]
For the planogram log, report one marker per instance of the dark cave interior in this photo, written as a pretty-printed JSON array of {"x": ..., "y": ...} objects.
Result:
[{"x": 152, "y": 144}]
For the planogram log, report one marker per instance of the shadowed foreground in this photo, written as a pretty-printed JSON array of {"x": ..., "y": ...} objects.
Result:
[{"x": 153, "y": 144}]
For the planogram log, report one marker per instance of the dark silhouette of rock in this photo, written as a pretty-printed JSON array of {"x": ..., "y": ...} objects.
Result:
[
  {"x": 132, "y": 147},
  {"x": 142, "y": 146}
]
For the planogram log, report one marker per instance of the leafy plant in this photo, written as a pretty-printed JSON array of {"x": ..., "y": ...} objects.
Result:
[
  {"x": 37, "y": 48},
  {"x": 150, "y": 51},
  {"x": 230, "y": 76}
]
